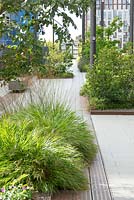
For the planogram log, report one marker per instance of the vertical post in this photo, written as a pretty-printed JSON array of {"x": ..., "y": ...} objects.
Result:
[
  {"x": 102, "y": 16},
  {"x": 34, "y": 17},
  {"x": 60, "y": 45},
  {"x": 93, "y": 32},
  {"x": 83, "y": 27},
  {"x": 53, "y": 34},
  {"x": 132, "y": 23},
  {"x": 86, "y": 18}
]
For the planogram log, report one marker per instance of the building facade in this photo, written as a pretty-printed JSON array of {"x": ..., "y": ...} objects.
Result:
[
  {"x": 17, "y": 17},
  {"x": 112, "y": 9}
]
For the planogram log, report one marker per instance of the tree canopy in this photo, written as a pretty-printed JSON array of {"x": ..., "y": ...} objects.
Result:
[{"x": 44, "y": 12}]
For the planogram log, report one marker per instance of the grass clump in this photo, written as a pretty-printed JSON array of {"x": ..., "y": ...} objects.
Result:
[
  {"x": 46, "y": 142},
  {"x": 49, "y": 164},
  {"x": 58, "y": 120}
]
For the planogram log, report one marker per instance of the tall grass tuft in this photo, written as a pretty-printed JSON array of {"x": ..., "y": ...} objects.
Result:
[
  {"x": 58, "y": 120},
  {"x": 43, "y": 139},
  {"x": 48, "y": 163}
]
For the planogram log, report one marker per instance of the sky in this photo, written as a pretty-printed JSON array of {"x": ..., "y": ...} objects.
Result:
[{"x": 74, "y": 32}]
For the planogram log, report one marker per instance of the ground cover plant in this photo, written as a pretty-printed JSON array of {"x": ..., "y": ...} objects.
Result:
[
  {"x": 16, "y": 192},
  {"x": 48, "y": 144}
]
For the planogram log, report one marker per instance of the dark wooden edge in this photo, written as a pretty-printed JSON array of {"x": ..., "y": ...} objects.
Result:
[{"x": 112, "y": 112}]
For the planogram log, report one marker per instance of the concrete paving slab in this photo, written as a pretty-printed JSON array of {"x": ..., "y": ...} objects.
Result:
[{"x": 115, "y": 135}]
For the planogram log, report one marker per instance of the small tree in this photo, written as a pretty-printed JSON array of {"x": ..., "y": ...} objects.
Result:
[
  {"x": 101, "y": 43},
  {"x": 36, "y": 14}
]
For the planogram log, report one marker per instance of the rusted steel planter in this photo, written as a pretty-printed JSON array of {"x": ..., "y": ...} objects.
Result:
[{"x": 112, "y": 112}]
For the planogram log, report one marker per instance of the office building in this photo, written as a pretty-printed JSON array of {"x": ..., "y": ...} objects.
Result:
[{"x": 112, "y": 9}]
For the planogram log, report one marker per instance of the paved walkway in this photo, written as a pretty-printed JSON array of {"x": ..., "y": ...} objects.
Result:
[{"x": 116, "y": 139}]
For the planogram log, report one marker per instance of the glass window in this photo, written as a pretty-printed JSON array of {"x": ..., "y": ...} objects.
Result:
[
  {"x": 109, "y": 15},
  {"x": 120, "y": 14},
  {"x": 114, "y": 13},
  {"x": 98, "y": 13},
  {"x": 125, "y": 14},
  {"x": 7, "y": 19},
  {"x": 104, "y": 14}
]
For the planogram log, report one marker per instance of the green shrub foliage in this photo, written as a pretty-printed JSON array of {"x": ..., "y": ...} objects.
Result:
[
  {"x": 83, "y": 64},
  {"x": 103, "y": 39},
  {"x": 110, "y": 83},
  {"x": 57, "y": 63}
]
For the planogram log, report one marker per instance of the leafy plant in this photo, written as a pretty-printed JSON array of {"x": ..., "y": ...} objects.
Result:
[
  {"x": 57, "y": 64},
  {"x": 83, "y": 64},
  {"x": 103, "y": 39},
  {"x": 111, "y": 80},
  {"x": 24, "y": 58}
]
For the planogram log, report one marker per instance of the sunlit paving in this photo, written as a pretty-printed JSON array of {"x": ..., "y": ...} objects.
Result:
[{"x": 115, "y": 137}]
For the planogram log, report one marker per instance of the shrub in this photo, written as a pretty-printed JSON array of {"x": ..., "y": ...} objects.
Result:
[
  {"x": 106, "y": 33},
  {"x": 111, "y": 80},
  {"x": 48, "y": 163},
  {"x": 57, "y": 63},
  {"x": 60, "y": 121},
  {"x": 83, "y": 64},
  {"x": 23, "y": 58}
]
